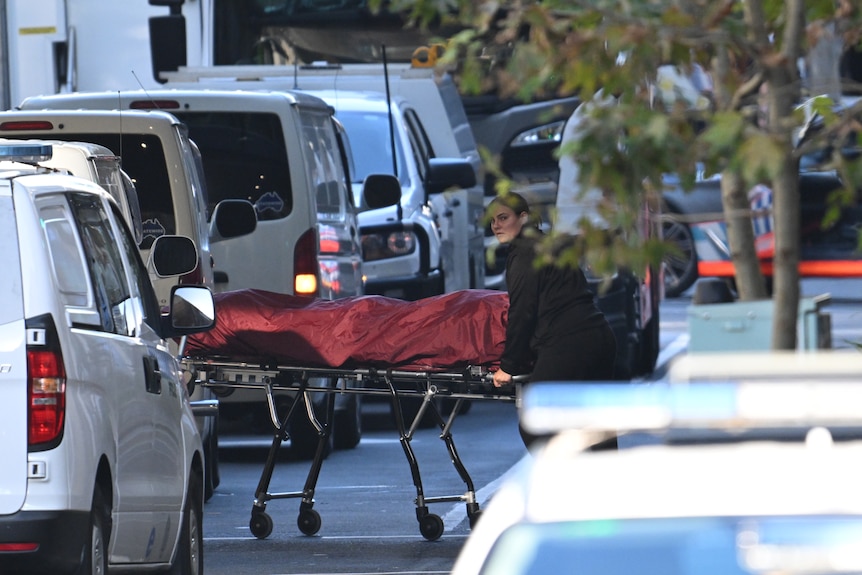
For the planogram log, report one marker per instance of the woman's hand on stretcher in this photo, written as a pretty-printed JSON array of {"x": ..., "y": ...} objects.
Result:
[{"x": 502, "y": 378}]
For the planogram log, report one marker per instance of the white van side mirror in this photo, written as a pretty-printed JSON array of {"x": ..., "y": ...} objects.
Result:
[
  {"x": 192, "y": 307},
  {"x": 192, "y": 310},
  {"x": 172, "y": 256},
  {"x": 232, "y": 219}
]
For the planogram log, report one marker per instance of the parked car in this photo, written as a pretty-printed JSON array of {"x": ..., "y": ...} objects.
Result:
[
  {"x": 404, "y": 255},
  {"x": 100, "y": 448},
  {"x": 828, "y": 246},
  {"x": 631, "y": 297},
  {"x": 743, "y": 478}
]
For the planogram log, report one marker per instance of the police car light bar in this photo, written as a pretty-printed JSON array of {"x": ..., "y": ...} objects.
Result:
[
  {"x": 630, "y": 407},
  {"x": 25, "y": 153}
]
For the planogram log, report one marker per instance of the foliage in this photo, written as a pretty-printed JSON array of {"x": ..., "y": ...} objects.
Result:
[{"x": 745, "y": 126}]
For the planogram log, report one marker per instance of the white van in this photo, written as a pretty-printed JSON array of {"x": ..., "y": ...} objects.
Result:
[
  {"x": 161, "y": 164},
  {"x": 437, "y": 103},
  {"x": 158, "y": 156},
  {"x": 283, "y": 153},
  {"x": 100, "y": 451},
  {"x": 100, "y": 165}
]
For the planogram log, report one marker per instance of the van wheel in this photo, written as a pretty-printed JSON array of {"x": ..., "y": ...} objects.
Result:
[
  {"x": 211, "y": 458},
  {"x": 96, "y": 554},
  {"x": 189, "y": 559}
]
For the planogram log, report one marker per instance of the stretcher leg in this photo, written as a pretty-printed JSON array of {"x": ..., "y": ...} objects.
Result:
[
  {"x": 308, "y": 519},
  {"x": 430, "y": 525},
  {"x": 473, "y": 510}
]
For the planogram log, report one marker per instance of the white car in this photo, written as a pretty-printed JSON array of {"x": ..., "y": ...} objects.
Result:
[
  {"x": 718, "y": 477},
  {"x": 103, "y": 464}
]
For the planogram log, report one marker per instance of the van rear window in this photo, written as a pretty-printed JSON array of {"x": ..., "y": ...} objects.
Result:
[
  {"x": 244, "y": 157},
  {"x": 143, "y": 159}
]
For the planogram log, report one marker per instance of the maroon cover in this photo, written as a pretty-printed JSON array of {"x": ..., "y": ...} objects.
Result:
[{"x": 466, "y": 327}]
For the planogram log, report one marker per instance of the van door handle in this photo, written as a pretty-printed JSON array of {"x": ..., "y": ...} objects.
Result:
[{"x": 152, "y": 375}]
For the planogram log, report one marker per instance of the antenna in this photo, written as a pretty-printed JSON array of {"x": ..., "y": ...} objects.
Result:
[
  {"x": 150, "y": 98},
  {"x": 391, "y": 122},
  {"x": 389, "y": 105}
]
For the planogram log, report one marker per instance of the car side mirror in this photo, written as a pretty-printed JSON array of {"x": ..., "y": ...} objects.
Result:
[
  {"x": 192, "y": 310},
  {"x": 172, "y": 256},
  {"x": 380, "y": 191},
  {"x": 232, "y": 219},
  {"x": 445, "y": 173}
]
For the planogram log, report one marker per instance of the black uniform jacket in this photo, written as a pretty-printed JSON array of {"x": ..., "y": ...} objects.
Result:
[{"x": 548, "y": 306}]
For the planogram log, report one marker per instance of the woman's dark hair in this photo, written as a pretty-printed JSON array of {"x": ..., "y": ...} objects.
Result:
[{"x": 512, "y": 200}]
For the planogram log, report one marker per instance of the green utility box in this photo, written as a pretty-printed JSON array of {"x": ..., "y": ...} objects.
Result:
[{"x": 747, "y": 325}]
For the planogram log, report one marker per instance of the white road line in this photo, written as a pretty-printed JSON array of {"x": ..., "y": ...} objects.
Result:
[{"x": 669, "y": 351}]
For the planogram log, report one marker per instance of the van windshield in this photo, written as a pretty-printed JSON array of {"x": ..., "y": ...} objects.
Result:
[
  {"x": 370, "y": 143},
  {"x": 244, "y": 157}
]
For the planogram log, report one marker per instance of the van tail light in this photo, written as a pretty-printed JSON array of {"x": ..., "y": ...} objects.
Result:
[
  {"x": 46, "y": 393},
  {"x": 306, "y": 267},
  {"x": 155, "y": 105}
]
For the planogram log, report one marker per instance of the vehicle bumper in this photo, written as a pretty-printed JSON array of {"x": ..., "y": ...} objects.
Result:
[
  {"x": 60, "y": 536},
  {"x": 408, "y": 287}
]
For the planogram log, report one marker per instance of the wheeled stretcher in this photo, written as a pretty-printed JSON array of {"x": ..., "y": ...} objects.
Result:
[{"x": 416, "y": 377}]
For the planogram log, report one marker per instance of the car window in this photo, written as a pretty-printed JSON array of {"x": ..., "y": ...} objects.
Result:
[
  {"x": 420, "y": 141},
  {"x": 105, "y": 264},
  {"x": 143, "y": 159},
  {"x": 146, "y": 294},
  {"x": 325, "y": 167},
  {"x": 372, "y": 153},
  {"x": 244, "y": 157},
  {"x": 68, "y": 264}
]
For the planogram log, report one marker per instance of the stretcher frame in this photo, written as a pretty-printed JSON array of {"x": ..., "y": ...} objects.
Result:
[{"x": 468, "y": 384}]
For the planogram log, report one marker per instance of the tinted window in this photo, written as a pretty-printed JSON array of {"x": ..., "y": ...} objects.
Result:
[
  {"x": 143, "y": 159},
  {"x": 324, "y": 164},
  {"x": 65, "y": 255},
  {"x": 244, "y": 157},
  {"x": 107, "y": 272}
]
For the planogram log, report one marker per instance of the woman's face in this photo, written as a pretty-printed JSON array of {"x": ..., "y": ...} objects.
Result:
[{"x": 505, "y": 223}]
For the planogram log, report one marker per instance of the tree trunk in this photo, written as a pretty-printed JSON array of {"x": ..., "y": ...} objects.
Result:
[
  {"x": 786, "y": 210},
  {"x": 740, "y": 236}
]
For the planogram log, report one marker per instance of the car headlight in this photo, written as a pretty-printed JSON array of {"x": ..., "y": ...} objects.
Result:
[
  {"x": 552, "y": 132},
  {"x": 388, "y": 245}
]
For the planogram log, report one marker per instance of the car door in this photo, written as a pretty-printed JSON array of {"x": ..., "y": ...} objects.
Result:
[
  {"x": 13, "y": 364},
  {"x": 142, "y": 387}
]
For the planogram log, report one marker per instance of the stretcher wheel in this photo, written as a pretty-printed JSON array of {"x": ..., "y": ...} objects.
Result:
[
  {"x": 431, "y": 527},
  {"x": 308, "y": 521},
  {"x": 260, "y": 524}
]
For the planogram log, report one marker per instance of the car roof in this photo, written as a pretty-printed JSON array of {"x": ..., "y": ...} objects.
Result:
[
  {"x": 728, "y": 479},
  {"x": 161, "y": 99},
  {"x": 356, "y": 100},
  {"x": 86, "y": 120}
]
